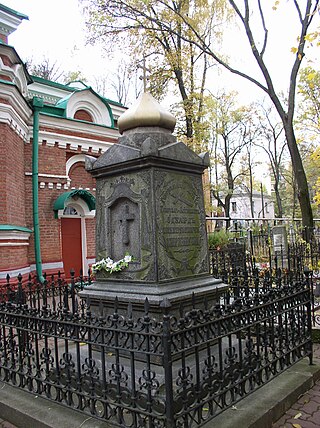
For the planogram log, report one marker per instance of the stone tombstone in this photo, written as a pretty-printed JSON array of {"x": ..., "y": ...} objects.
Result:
[
  {"x": 280, "y": 241},
  {"x": 150, "y": 204}
]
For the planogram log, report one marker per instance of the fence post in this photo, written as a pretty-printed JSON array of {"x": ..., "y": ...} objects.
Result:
[
  {"x": 167, "y": 362},
  {"x": 308, "y": 274}
]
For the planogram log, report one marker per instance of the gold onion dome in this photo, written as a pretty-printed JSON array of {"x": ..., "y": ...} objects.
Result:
[{"x": 146, "y": 112}]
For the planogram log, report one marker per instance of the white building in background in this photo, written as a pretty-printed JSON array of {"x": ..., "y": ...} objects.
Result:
[{"x": 240, "y": 208}]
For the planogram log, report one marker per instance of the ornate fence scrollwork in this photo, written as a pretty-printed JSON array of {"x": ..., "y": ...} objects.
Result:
[{"x": 133, "y": 370}]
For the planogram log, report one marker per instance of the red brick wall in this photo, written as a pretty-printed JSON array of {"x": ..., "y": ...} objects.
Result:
[
  {"x": 78, "y": 134},
  {"x": 12, "y": 204},
  {"x": 16, "y": 202},
  {"x": 13, "y": 257},
  {"x": 80, "y": 177},
  {"x": 52, "y": 161},
  {"x": 91, "y": 234}
]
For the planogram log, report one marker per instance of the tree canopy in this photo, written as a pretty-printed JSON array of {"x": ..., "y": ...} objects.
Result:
[{"x": 185, "y": 32}]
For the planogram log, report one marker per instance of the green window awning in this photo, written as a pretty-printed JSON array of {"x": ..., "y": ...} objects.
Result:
[{"x": 59, "y": 203}]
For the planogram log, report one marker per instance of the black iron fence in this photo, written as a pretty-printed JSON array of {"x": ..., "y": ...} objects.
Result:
[{"x": 179, "y": 370}]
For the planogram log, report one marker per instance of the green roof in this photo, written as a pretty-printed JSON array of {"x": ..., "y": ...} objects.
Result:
[
  {"x": 13, "y": 12},
  {"x": 7, "y": 227},
  {"x": 72, "y": 89},
  {"x": 59, "y": 203},
  {"x": 53, "y": 84}
]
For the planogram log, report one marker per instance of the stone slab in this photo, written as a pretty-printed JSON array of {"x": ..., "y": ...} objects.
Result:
[{"x": 26, "y": 410}]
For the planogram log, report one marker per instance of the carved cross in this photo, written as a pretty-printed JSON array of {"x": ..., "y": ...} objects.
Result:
[
  {"x": 144, "y": 77},
  {"x": 124, "y": 221}
]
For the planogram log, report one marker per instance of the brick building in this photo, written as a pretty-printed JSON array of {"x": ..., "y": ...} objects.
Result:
[{"x": 47, "y": 206}]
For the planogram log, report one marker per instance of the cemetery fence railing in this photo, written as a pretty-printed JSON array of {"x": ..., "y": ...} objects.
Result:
[{"x": 179, "y": 369}]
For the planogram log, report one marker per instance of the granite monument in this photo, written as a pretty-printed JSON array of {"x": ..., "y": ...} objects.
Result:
[{"x": 150, "y": 205}]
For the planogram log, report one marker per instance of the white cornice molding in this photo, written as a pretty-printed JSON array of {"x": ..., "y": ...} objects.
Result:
[
  {"x": 63, "y": 177},
  {"x": 76, "y": 126},
  {"x": 11, "y": 93},
  {"x": 75, "y": 141},
  {"x": 42, "y": 90},
  {"x": 9, "y": 22},
  {"x": 9, "y": 235},
  {"x": 117, "y": 110},
  {"x": 9, "y": 116}
]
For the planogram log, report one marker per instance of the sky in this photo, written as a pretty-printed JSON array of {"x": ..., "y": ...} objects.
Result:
[{"x": 56, "y": 30}]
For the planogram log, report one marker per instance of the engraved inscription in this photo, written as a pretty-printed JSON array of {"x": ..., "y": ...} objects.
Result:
[
  {"x": 182, "y": 226},
  {"x": 182, "y": 235}
]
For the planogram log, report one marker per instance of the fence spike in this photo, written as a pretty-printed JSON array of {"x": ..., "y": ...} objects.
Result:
[{"x": 146, "y": 306}]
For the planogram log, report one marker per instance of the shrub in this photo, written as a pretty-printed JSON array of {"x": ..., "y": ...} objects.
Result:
[{"x": 218, "y": 239}]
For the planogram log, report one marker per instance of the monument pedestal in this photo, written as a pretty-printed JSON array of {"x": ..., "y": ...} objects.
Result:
[{"x": 186, "y": 292}]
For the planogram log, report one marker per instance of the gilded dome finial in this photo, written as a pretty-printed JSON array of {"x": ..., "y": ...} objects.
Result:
[{"x": 146, "y": 112}]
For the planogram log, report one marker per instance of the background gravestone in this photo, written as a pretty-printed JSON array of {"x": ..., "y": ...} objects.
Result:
[
  {"x": 150, "y": 204},
  {"x": 280, "y": 241}
]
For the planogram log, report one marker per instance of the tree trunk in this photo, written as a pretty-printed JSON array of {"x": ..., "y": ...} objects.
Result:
[
  {"x": 278, "y": 198},
  {"x": 300, "y": 178},
  {"x": 227, "y": 210}
]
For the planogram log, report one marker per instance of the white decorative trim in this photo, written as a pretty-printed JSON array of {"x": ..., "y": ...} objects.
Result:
[
  {"x": 86, "y": 100},
  {"x": 19, "y": 109},
  {"x": 73, "y": 160},
  {"x": 59, "y": 186},
  {"x": 49, "y": 143},
  {"x": 13, "y": 244},
  {"x": 9, "y": 116},
  {"x": 6, "y": 235},
  {"x": 75, "y": 128},
  {"x": 9, "y": 21},
  {"x": 84, "y": 245},
  {"x": 28, "y": 269},
  {"x": 49, "y": 175},
  {"x": 81, "y": 206},
  {"x": 49, "y": 265},
  {"x": 15, "y": 272}
]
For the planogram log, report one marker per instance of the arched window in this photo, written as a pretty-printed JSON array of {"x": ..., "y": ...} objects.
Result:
[
  {"x": 70, "y": 210},
  {"x": 83, "y": 115}
]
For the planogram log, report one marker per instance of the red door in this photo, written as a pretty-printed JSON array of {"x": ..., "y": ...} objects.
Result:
[{"x": 71, "y": 245}]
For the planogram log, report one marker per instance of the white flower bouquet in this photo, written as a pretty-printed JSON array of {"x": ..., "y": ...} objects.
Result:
[{"x": 111, "y": 266}]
